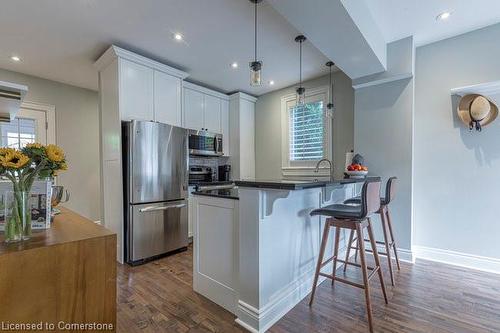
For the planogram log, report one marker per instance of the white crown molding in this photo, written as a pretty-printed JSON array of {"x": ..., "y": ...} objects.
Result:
[
  {"x": 241, "y": 95},
  {"x": 204, "y": 90},
  {"x": 114, "y": 52},
  {"x": 486, "y": 264}
]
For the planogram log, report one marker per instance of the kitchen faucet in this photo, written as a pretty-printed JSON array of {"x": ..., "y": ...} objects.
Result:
[{"x": 316, "y": 170}]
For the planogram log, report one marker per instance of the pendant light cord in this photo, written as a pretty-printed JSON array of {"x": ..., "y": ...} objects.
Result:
[
  {"x": 255, "y": 30},
  {"x": 300, "y": 65},
  {"x": 331, "y": 87}
]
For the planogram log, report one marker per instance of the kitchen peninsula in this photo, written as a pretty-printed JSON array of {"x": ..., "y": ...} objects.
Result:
[{"x": 255, "y": 249}]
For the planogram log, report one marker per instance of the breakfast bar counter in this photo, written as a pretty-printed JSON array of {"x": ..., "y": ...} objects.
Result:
[
  {"x": 256, "y": 256},
  {"x": 298, "y": 184}
]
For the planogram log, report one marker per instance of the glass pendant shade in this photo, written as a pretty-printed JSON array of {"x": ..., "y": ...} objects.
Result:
[
  {"x": 255, "y": 73},
  {"x": 301, "y": 96}
]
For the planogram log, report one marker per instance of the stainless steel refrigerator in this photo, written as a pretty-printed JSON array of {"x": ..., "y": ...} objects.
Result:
[{"x": 155, "y": 165}]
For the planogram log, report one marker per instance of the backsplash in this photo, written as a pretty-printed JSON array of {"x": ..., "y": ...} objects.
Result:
[{"x": 212, "y": 162}]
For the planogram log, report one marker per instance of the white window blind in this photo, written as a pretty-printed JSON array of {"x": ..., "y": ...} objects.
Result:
[{"x": 306, "y": 132}]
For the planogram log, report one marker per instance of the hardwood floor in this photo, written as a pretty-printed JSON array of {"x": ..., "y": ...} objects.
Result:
[{"x": 428, "y": 297}]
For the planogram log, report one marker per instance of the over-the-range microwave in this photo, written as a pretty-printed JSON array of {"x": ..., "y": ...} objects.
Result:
[{"x": 204, "y": 143}]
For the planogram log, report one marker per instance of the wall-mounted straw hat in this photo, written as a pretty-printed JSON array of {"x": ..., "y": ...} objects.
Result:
[{"x": 476, "y": 111}]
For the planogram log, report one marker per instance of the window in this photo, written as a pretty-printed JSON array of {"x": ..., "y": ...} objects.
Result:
[
  {"x": 306, "y": 133},
  {"x": 18, "y": 133},
  {"x": 33, "y": 123}
]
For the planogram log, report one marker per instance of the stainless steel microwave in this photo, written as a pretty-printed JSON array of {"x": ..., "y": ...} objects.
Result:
[{"x": 204, "y": 143}]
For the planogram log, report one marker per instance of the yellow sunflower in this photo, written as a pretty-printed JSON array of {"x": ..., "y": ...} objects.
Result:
[
  {"x": 54, "y": 153},
  {"x": 4, "y": 151},
  {"x": 34, "y": 145},
  {"x": 14, "y": 159}
]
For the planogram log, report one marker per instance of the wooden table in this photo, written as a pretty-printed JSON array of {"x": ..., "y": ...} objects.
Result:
[{"x": 64, "y": 275}]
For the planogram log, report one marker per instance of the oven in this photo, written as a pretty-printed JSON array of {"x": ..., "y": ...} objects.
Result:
[
  {"x": 200, "y": 175},
  {"x": 203, "y": 143}
]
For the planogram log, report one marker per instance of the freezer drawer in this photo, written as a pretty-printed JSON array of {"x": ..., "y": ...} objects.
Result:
[{"x": 156, "y": 228}]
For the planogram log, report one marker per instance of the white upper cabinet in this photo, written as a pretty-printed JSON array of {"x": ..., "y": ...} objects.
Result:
[
  {"x": 225, "y": 126},
  {"x": 167, "y": 99},
  {"x": 193, "y": 109},
  {"x": 212, "y": 114},
  {"x": 136, "y": 91},
  {"x": 204, "y": 108}
]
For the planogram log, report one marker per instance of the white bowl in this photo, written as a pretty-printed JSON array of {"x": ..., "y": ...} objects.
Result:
[{"x": 356, "y": 174}]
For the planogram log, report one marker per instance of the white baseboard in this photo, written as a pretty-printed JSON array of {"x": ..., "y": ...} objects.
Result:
[
  {"x": 406, "y": 255},
  {"x": 485, "y": 264},
  {"x": 260, "y": 320}
]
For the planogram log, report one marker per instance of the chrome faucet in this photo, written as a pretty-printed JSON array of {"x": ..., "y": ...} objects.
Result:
[{"x": 316, "y": 170}]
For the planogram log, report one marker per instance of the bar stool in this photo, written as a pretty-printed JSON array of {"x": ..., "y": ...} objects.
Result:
[
  {"x": 385, "y": 217},
  {"x": 356, "y": 218}
]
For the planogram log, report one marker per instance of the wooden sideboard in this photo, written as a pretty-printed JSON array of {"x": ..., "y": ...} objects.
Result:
[{"x": 62, "y": 276}]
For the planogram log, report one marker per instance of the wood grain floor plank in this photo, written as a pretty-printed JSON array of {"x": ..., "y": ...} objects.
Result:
[{"x": 428, "y": 298}]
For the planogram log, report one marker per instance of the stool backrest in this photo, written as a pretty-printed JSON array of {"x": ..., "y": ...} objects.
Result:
[
  {"x": 370, "y": 197},
  {"x": 390, "y": 189}
]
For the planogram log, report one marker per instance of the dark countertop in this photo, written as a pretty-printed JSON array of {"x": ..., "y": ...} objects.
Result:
[
  {"x": 215, "y": 182},
  {"x": 224, "y": 193},
  {"x": 299, "y": 184}
]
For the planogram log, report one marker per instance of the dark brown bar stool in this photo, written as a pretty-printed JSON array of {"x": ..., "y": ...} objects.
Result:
[
  {"x": 356, "y": 218},
  {"x": 385, "y": 217}
]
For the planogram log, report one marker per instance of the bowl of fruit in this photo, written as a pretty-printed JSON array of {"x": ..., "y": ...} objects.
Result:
[{"x": 356, "y": 170}]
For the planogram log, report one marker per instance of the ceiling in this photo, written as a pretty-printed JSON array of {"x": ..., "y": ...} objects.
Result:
[
  {"x": 60, "y": 40},
  {"x": 402, "y": 18}
]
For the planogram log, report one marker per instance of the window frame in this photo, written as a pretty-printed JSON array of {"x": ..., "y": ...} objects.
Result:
[{"x": 305, "y": 168}]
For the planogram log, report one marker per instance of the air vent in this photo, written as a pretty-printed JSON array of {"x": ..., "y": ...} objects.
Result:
[{"x": 11, "y": 97}]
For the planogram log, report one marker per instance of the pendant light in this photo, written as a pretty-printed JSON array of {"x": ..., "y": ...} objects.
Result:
[
  {"x": 329, "y": 106},
  {"x": 255, "y": 66},
  {"x": 301, "y": 91}
]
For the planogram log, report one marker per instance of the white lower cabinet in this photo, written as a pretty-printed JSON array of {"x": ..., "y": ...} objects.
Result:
[{"x": 216, "y": 255}]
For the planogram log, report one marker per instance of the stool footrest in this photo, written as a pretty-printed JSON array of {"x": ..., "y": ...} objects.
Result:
[
  {"x": 353, "y": 264},
  {"x": 367, "y": 240},
  {"x": 358, "y": 285}
]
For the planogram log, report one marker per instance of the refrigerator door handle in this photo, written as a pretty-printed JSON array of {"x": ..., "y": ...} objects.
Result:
[{"x": 156, "y": 208}]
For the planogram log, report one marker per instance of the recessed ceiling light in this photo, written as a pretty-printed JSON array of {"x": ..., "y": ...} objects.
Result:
[
  {"x": 443, "y": 16},
  {"x": 15, "y": 58},
  {"x": 178, "y": 36},
  {"x": 271, "y": 83},
  {"x": 234, "y": 65}
]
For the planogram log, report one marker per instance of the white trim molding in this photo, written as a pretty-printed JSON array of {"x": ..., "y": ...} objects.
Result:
[
  {"x": 486, "y": 264},
  {"x": 114, "y": 52},
  {"x": 50, "y": 117}
]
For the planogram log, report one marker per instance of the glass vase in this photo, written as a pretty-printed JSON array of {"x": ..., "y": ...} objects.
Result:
[{"x": 17, "y": 216}]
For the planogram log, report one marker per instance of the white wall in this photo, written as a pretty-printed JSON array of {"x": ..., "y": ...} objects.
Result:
[
  {"x": 77, "y": 132},
  {"x": 457, "y": 178},
  {"x": 383, "y": 122},
  {"x": 268, "y": 126}
]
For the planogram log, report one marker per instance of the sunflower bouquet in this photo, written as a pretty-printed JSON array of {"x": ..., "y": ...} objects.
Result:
[{"x": 22, "y": 168}]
